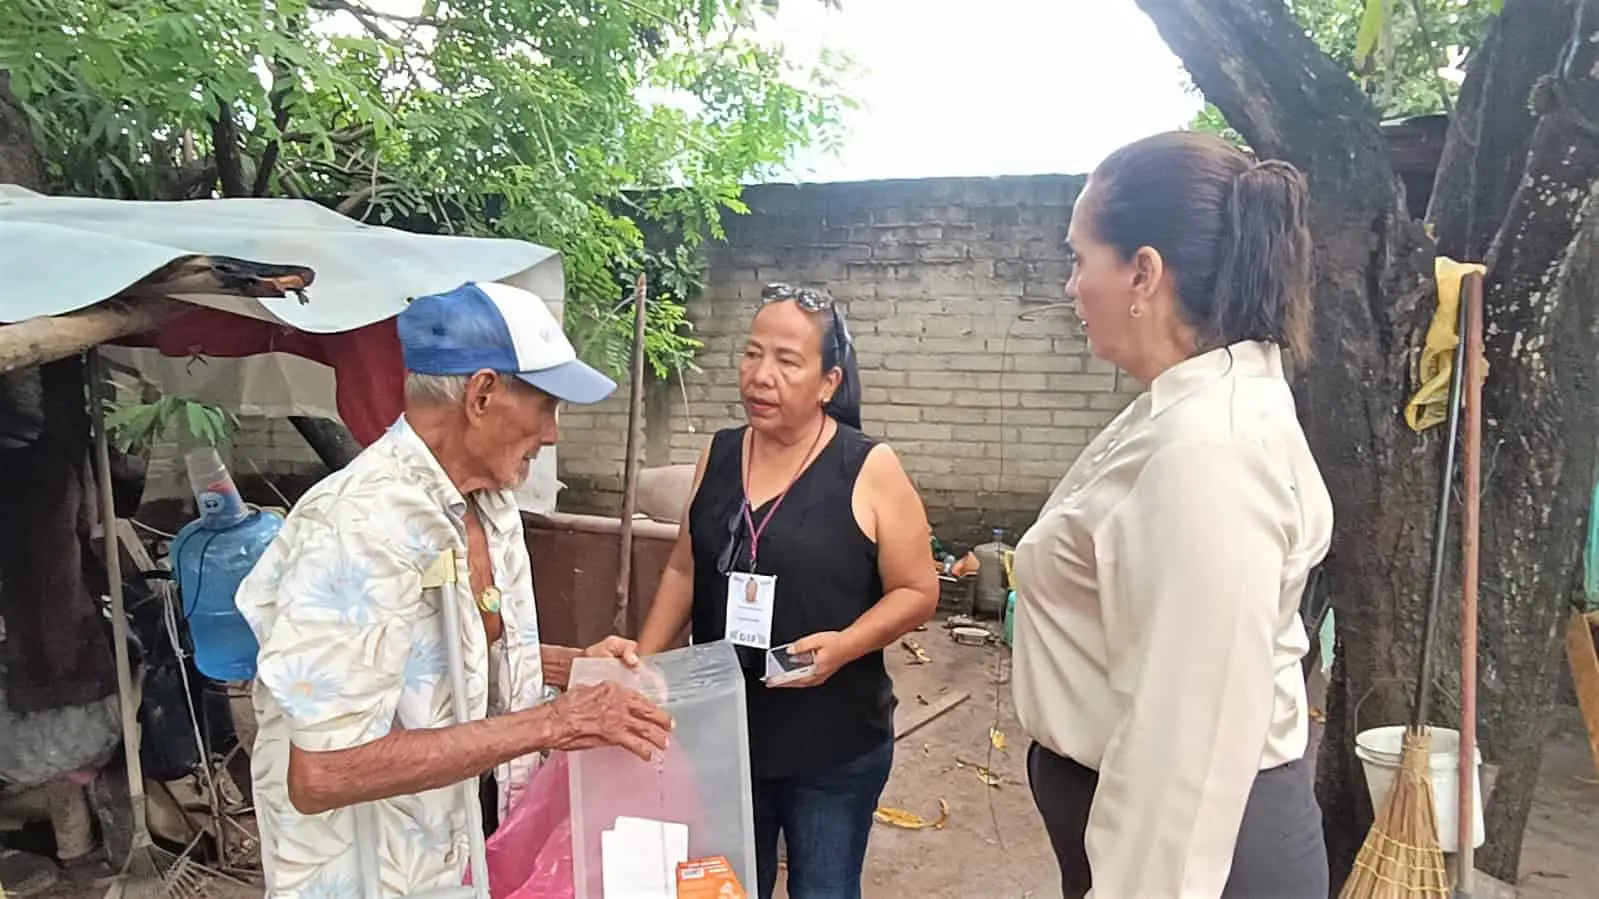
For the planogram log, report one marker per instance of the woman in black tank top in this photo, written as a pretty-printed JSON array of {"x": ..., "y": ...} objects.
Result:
[{"x": 812, "y": 535}]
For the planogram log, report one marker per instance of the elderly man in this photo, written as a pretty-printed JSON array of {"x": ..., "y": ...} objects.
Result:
[{"x": 353, "y": 697}]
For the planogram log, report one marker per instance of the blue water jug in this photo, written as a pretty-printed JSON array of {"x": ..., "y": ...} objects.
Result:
[
  {"x": 210, "y": 564},
  {"x": 211, "y": 556}
]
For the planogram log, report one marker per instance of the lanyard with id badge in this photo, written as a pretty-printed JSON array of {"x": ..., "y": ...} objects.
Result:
[{"x": 751, "y": 596}]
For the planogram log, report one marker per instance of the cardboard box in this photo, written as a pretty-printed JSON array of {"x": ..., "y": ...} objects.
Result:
[{"x": 708, "y": 878}]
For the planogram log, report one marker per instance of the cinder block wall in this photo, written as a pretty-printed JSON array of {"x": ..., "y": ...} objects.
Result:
[{"x": 986, "y": 410}]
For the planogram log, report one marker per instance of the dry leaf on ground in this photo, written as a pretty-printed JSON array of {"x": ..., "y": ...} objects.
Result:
[
  {"x": 983, "y": 773},
  {"x": 918, "y": 656},
  {"x": 896, "y": 817}
]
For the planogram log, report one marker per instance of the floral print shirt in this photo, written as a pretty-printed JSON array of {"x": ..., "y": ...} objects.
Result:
[{"x": 352, "y": 648}]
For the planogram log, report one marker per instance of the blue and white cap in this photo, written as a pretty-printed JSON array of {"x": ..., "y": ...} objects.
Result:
[{"x": 500, "y": 328}]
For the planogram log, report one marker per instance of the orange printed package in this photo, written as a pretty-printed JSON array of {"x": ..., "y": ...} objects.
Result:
[{"x": 708, "y": 878}]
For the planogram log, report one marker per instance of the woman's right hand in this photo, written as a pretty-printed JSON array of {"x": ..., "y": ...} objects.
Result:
[{"x": 607, "y": 714}]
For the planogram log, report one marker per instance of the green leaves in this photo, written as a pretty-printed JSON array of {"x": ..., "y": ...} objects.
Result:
[
  {"x": 136, "y": 427},
  {"x": 555, "y": 121},
  {"x": 1372, "y": 23},
  {"x": 1396, "y": 49}
]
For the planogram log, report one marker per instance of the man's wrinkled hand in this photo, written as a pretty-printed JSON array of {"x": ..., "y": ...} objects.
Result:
[
  {"x": 614, "y": 647},
  {"x": 608, "y": 714}
]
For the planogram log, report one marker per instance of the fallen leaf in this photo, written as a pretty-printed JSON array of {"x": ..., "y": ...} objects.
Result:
[
  {"x": 997, "y": 738},
  {"x": 982, "y": 772},
  {"x": 895, "y": 817},
  {"x": 918, "y": 655}
]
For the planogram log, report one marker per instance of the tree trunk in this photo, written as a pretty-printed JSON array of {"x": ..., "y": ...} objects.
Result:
[
  {"x": 1524, "y": 191},
  {"x": 19, "y": 156},
  {"x": 330, "y": 440}
]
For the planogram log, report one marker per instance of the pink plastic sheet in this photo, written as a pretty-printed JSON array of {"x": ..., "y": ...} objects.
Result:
[{"x": 530, "y": 856}]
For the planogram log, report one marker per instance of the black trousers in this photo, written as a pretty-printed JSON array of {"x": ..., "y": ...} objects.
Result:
[{"x": 1280, "y": 852}]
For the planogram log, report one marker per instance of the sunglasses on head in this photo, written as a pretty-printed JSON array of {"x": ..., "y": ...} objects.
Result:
[
  {"x": 810, "y": 301},
  {"x": 804, "y": 297}
]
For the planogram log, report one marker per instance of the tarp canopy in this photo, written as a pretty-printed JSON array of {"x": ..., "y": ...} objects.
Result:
[{"x": 63, "y": 254}]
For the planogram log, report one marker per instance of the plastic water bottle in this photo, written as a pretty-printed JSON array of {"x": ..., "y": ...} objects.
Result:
[
  {"x": 211, "y": 556},
  {"x": 1009, "y": 632},
  {"x": 991, "y": 576}
]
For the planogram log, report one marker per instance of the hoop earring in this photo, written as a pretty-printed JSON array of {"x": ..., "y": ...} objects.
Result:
[{"x": 1135, "y": 310}]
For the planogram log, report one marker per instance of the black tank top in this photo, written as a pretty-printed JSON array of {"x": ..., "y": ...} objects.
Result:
[{"x": 827, "y": 577}]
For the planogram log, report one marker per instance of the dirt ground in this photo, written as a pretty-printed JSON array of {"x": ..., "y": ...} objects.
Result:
[{"x": 993, "y": 845}]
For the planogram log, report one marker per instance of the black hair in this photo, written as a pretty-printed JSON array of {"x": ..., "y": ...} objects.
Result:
[
  {"x": 1235, "y": 233},
  {"x": 838, "y": 351}
]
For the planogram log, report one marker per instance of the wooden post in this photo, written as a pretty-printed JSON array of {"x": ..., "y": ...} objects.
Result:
[
  {"x": 635, "y": 440},
  {"x": 48, "y": 338}
]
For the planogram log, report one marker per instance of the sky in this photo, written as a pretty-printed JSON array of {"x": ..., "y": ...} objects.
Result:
[
  {"x": 977, "y": 87},
  {"x": 995, "y": 87}
]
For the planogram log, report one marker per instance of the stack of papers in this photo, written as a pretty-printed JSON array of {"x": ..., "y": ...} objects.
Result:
[{"x": 640, "y": 858}]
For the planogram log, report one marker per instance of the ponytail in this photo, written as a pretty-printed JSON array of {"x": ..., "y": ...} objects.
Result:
[
  {"x": 1263, "y": 276},
  {"x": 839, "y": 352},
  {"x": 1234, "y": 233}
]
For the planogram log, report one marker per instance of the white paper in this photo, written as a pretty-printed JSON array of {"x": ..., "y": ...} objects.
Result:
[{"x": 639, "y": 858}]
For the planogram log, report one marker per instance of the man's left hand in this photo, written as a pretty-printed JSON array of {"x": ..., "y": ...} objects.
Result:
[
  {"x": 614, "y": 647},
  {"x": 831, "y": 653}
]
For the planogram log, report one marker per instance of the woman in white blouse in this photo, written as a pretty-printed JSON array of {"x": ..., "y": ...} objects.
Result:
[{"x": 1158, "y": 635}]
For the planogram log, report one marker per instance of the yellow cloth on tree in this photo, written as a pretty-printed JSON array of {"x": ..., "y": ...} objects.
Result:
[{"x": 1430, "y": 405}]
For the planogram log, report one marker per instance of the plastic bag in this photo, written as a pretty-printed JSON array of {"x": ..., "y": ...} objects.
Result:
[{"x": 530, "y": 856}]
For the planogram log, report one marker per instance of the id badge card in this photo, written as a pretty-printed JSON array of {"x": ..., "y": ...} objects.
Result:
[{"x": 749, "y": 609}]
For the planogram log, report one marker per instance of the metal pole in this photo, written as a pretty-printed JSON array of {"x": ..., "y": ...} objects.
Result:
[
  {"x": 1440, "y": 550},
  {"x": 635, "y": 439},
  {"x": 1470, "y": 548},
  {"x": 451, "y": 610}
]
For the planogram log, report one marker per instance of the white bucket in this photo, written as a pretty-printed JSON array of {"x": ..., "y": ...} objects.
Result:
[{"x": 1378, "y": 750}]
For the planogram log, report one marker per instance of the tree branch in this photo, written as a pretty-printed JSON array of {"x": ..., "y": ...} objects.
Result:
[
  {"x": 340, "y": 137},
  {"x": 1474, "y": 184},
  {"x": 1287, "y": 98},
  {"x": 225, "y": 150},
  {"x": 369, "y": 15},
  {"x": 1560, "y": 168},
  {"x": 19, "y": 156},
  {"x": 46, "y": 339},
  {"x": 278, "y": 97}
]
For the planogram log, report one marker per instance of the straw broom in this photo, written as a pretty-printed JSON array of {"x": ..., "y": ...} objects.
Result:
[{"x": 1401, "y": 858}]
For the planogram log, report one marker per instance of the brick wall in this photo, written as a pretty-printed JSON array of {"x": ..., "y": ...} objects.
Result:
[
  {"x": 261, "y": 446},
  {"x": 986, "y": 410}
]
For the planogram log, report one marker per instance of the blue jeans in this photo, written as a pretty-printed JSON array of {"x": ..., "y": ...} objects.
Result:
[{"x": 825, "y": 820}]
